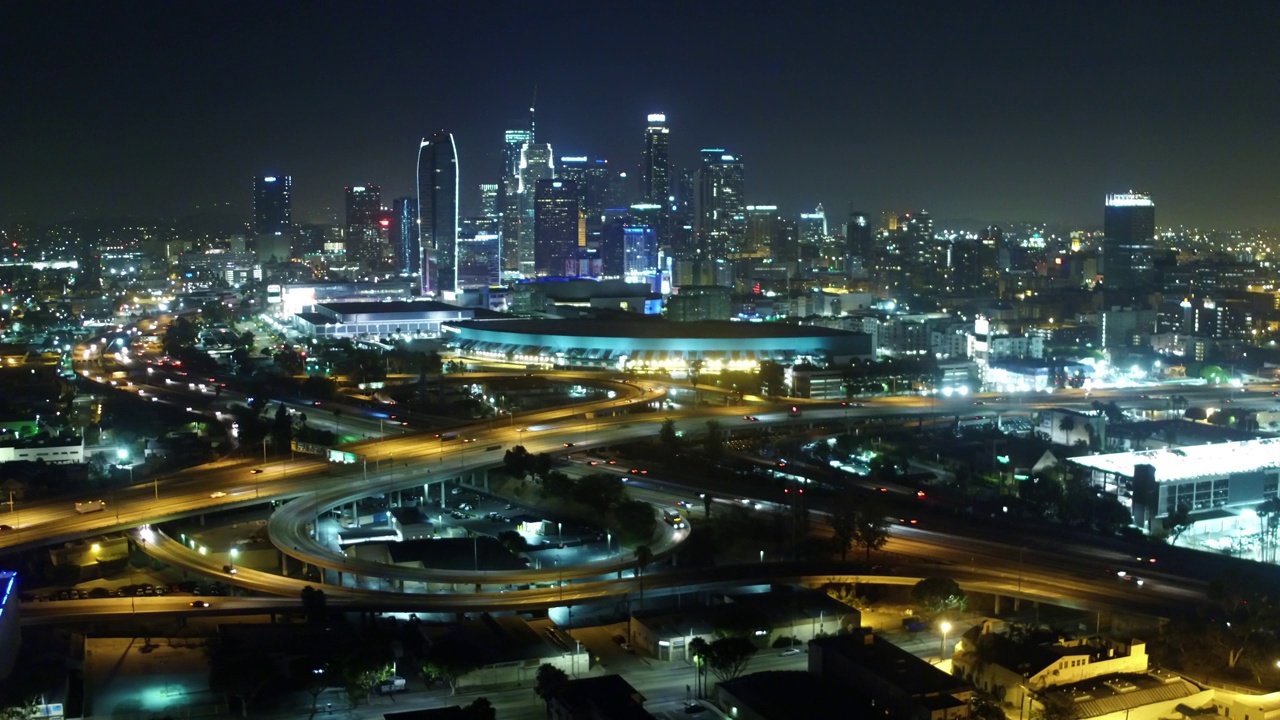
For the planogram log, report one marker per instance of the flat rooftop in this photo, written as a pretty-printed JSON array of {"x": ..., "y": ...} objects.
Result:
[
  {"x": 1192, "y": 461},
  {"x": 651, "y": 328},
  {"x": 392, "y": 306}
]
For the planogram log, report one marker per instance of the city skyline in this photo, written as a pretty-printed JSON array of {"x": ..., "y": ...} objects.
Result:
[{"x": 966, "y": 113}]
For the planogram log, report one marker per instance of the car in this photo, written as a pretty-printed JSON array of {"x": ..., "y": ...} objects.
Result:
[
  {"x": 919, "y": 493},
  {"x": 228, "y": 570},
  {"x": 618, "y": 639},
  {"x": 790, "y": 652},
  {"x": 570, "y": 444},
  {"x": 5, "y": 528},
  {"x": 199, "y": 604},
  {"x": 684, "y": 504},
  {"x": 909, "y": 521},
  {"x": 593, "y": 463},
  {"x": 613, "y": 462},
  {"x": 751, "y": 418},
  {"x": 216, "y": 495},
  {"x": 256, "y": 471},
  {"x": 882, "y": 489}
]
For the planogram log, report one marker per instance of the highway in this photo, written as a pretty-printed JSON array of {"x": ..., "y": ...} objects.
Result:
[{"x": 429, "y": 460}]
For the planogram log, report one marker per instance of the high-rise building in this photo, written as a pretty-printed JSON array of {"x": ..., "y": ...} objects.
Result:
[
  {"x": 812, "y": 227},
  {"x": 489, "y": 200},
  {"x": 592, "y": 178},
  {"x": 559, "y": 229},
  {"x": 762, "y": 234},
  {"x": 364, "y": 234},
  {"x": 655, "y": 171},
  {"x": 509, "y": 196},
  {"x": 1129, "y": 231},
  {"x": 479, "y": 261},
  {"x": 536, "y": 164},
  {"x": 404, "y": 234},
  {"x": 438, "y": 212},
  {"x": 272, "y": 205},
  {"x": 861, "y": 248},
  {"x": 639, "y": 249},
  {"x": 719, "y": 211}
]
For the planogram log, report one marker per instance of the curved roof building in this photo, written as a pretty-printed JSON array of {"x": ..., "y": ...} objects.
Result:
[{"x": 652, "y": 344}]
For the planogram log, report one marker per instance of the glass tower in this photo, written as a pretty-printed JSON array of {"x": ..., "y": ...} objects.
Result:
[{"x": 438, "y": 212}]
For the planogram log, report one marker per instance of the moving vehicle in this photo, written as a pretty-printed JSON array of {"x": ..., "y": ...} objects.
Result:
[{"x": 91, "y": 506}]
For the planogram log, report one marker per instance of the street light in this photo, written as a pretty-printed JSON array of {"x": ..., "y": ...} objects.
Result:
[
  {"x": 942, "y": 649},
  {"x": 234, "y": 554}
]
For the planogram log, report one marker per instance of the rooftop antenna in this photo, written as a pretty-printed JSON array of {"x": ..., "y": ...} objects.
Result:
[{"x": 532, "y": 124}]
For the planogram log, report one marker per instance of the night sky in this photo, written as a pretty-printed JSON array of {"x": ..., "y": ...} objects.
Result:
[{"x": 990, "y": 111}]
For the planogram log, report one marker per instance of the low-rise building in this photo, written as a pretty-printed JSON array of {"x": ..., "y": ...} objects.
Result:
[
  {"x": 789, "y": 694},
  {"x": 900, "y": 684},
  {"x": 508, "y": 650},
  {"x": 604, "y": 697}
]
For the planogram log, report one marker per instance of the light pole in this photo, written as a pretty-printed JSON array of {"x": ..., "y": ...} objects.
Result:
[
  {"x": 233, "y": 555},
  {"x": 942, "y": 649},
  {"x": 608, "y": 547}
]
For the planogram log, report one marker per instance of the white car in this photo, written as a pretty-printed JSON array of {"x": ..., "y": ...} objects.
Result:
[
  {"x": 217, "y": 495},
  {"x": 790, "y": 652}
]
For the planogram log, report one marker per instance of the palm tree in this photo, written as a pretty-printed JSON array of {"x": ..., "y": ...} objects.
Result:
[
  {"x": 644, "y": 556},
  {"x": 1067, "y": 425}
]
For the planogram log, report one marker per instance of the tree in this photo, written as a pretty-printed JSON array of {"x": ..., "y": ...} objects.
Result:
[
  {"x": 667, "y": 436},
  {"x": 541, "y": 465},
  {"x": 432, "y": 363},
  {"x": 643, "y": 556},
  {"x": 728, "y": 657},
  {"x": 447, "y": 661},
  {"x": 985, "y": 706},
  {"x": 713, "y": 441},
  {"x": 634, "y": 522},
  {"x": 366, "y": 665},
  {"x": 1243, "y": 607},
  {"x": 513, "y": 541},
  {"x": 938, "y": 594},
  {"x": 316, "y": 605},
  {"x": 844, "y": 521},
  {"x": 549, "y": 683},
  {"x": 773, "y": 379},
  {"x": 1179, "y": 521},
  {"x": 600, "y": 492},
  {"x": 480, "y": 709},
  {"x": 1067, "y": 425},
  {"x": 282, "y": 428},
  {"x": 517, "y": 460},
  {"x": 337, "y": 424},
  {"x": 870, "y": 530},
  {"x": 699, "y": 650},
  {"x": 1195, "y": 413},
  {"x": 707, "y": 502}
]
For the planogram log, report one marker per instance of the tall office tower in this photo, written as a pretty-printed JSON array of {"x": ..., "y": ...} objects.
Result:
[
  {"x": 363, "y": 232},
  {"x": 618, "y": 192},
  {"x": 479, "y": 260},
  {"x": 438, "y": 212},
  {"x": 404, "y": 234},
  {"x": 719, "y": 212},
  {"x": 536, "y": 164},
  {"x": 592, "y": 177},
  {"x": 813, "y": 227},
  {"x": 762, "y": 233},
  {"x": 861, "y": 242},
  {"x": 1129, "y": 230},
  {"x": 915, "y": 232},
  {"x": 272, "y": 205},
  {"x": 639, "y": 251},
  {"x": 489, "y": 199},
  {"x": 509, "y": 196},
  {"x": 655, "y": 171},
  {"x": 968, "y": 262},
  {"x": 558, "y": 225},
  {"x": 888, "y": 221}
]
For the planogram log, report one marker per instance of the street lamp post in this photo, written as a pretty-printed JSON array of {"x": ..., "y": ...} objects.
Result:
[
  {"x": 942, "y": 649},
  {"x": 233, "y": 555}
]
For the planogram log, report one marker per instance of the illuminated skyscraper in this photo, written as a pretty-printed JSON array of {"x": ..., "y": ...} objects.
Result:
[
  {"x": 592, "y": 177},
  {"x": 536, "y": 164},
  {"x": 1129, "y": 231},
  {"x": 404, "y": 234},
  {"x": 719, "y": 211},
  {"x": 509, "y": 196},
  {"x": 655, "y": 172},
  {"x": 272, "y": 205},
  {"x": 559, "y": 229},
  {"x": 438, "y": 211},
  {"x": 861, "y": 248},
  {"x": 363, "y": 236}
]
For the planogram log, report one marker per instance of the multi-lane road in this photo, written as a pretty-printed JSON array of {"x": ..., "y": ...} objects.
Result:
[{"x": 420, "y": 459}]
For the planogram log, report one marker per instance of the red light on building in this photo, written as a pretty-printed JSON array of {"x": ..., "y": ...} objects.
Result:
[{"x": 384, "y": 222}]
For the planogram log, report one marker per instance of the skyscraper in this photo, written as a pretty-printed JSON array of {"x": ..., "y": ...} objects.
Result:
[
  {"x": 861, "y": 248},
  {"x": 762, "y": 234},
  {"x": 272, "y": 205},
  {"x": 363, "y": 232},
  {"x": 558, "y": 225},
  {"x": 536, "y": 164},
  {"x": 404, "y": 234},
  {"x": 592, "y": 177},
  {"x": 438, "y": 211},
  {"x": 509, "y": 196},
  {"x": 1129, "y": 230},
  {"x": 655, "y": 168},
  {"x": 719, "y": 211}
]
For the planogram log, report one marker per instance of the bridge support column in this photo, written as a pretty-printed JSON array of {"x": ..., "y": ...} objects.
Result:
[
  {"x": 486, "y": 480},
  {"x": 997, "y": 607},
  {"x": 1017, "y": 603},
  {"x": 442, "y": 495}
]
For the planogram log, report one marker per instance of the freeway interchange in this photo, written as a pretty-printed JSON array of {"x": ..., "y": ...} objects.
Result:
[{"x": 1028, "y": 567}]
